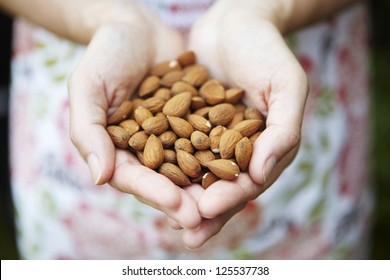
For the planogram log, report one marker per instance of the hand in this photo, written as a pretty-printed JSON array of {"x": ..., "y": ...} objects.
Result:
[
  {"x": 241, "y": 45},
  {"x": 117, "y": 58}
]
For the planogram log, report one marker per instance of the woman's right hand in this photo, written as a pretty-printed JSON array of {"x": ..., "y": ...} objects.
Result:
[{"x": 119, "y": 55}]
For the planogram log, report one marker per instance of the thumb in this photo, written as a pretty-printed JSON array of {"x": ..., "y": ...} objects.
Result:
[{"x": 88, "y": 107}]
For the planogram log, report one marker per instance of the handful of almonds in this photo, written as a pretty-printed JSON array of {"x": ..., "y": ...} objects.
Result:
[{"x": 186, "y": 125}]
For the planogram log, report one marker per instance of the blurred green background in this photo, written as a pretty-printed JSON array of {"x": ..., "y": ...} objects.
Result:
[{"x": 380, "y": 11}]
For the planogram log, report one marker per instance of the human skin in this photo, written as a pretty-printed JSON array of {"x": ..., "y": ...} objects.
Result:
[{"x": 241, "y": 42}]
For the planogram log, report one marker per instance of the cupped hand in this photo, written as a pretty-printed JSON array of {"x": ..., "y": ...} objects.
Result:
[
  {"x": 242, "y": 46},
  {"x": 116, "y": 59}
]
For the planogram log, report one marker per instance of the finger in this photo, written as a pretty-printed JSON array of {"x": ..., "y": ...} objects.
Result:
[
  {"x": 87, "y": 129},
  {"x": 194, "y": 239},
  {"x": 195, "y": 191},
  {"x": 223, "y": 196},
  {"x": 154, "y": 189}
]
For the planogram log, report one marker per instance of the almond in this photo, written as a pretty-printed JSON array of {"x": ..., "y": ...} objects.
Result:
[
  {"x": 131, "y": 126},
  {"x": 141, "y": 114},
  {"x": 208, "y": 179},
  {"x": 154, "y": 104},
  {"x": 248, "y": 127},
  {"x": 252, "y": 114},
  {"x": 197, "y": 102},
  {"x": 119, "y": 136},
  {"x": 138, "y": 140},
  {"x": 222, "y": 114},
  {"x": 228, "y": 143},
  {"x": 122, "y": 113},
  {"x": 155, "y": 125},
  {"x": 153, "y": 152},
  {"x": 224, "y": 169},
  {"x": 215, "y": 137},
  {"x": 148, "y": 86},
  {"x": 196, "y": 76},
  {"x": 178, "y": 105},
  {"x": 236, "y": 119},
  {"x": 170, "y": 156},
  {"x": 188, "y": 163},
  {"x": 181, "y": 127},
  {"x": 167, "y": 138},
  {"x": 174, "y": 173},
  {"x": 254, "y": 137},
  {"x": 185, "y": 145},
  {"x": 199, "y": 123},
  {"x": 212, "y": 92},
  {"x": 204, "y": 157},
  {"x": 200, "y": 140},
  {"x": 204, "y": 112},
  {"x": 171, "y": 77},
  {"x": 163, "y": 93},
  {"x": 164, "y": 67},
  {"x": 243, "y": 153},
  {"x": 233, "y": 95},
  {"x": 181, "y": 86},
  {"x": 198, "y": 180},
  {"x": 140, "y": 157},
  {"x": 187, "y": 58},
  {"x": 240, "y": 108}
]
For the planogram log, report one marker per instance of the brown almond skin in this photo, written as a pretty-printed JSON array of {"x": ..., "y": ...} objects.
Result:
[
  {"x": 153, "y": 152},
  {"x": 252, "y": 114},
  {"x": 238, "y": 117},
  {"x": 197, "y": 102},
  {"x": 187, "y": 58},
  {"x": 164, "y": 67},
  {"x": 155, "y": 125},
  {"x": 228, "y": 143},
  {"x": 185, "y": 145},
  {"x": 130, "y": 125},
  {"x": 208, "y": 179},
  {"x": 140, "y": 157},
  {"x": 196, "y": 76},
  {"x": 248, "y": 127},
  {"x": 171, "y": 77},
  {"x": 119, "y": 136},
  {"x": 200, "y": 140},
  {"x": 254, "y": 137},
  {"x": 181, "y": 127},
  {"x": 204, "y": 112},
  {"x": 154, "y": 104},
  {"x": 182, "y": 86},
  {"x": 178, "y": 105},
  {"x": 204, "y": 157},
  {"x": 175, "y": 174},
  {"x": 188, "y": 163},
  {"x": 224, "y": 169},
  {"x": 215, "y": 138},
  {"x": 199, "y": 123},
  {"x": 138, "y": 140},
  {"x": 243, "y": 153},
  {"x": 222, "y": 114},
  {"x": 233, "y": 95},
  {"x": 212, "y": 92},
  {"x": 163, "y": 93},
  {"x": 123, "y": 112},
  {"x": 141, "y": 114},
  {"x": 170, "y": 156},
  {"x": 148, "y": 86},
  {"x": 168, "y": 138}
]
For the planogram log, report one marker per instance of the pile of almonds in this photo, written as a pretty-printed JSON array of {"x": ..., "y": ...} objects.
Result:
[{"x": 186, "y": 125}]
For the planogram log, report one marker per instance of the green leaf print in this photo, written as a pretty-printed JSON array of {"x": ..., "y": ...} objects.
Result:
[
  {"x": 49, "y": 204},
  {"x": 318, "y": 209},
  {"x": 325, "y": 103},
  {"x": 50, "y": 62}
]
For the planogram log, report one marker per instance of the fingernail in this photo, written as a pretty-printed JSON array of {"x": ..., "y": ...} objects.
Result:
[
  {"x": 94, "y": 167},
  {"x": 268, "y": 167}
]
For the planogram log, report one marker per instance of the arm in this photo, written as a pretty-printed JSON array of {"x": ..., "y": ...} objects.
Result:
[
  {"x": 242, "y": 44},
  {"x": 76, "y": 20}
]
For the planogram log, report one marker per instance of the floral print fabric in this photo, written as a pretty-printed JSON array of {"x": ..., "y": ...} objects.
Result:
[{"x": 320, "y": 208}]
